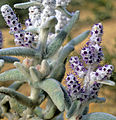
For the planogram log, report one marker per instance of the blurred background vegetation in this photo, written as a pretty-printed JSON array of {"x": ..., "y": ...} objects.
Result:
[{"x": 91, "y": 12}]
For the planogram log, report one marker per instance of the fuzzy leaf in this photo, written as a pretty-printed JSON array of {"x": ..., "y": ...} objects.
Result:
[
  {"x": 99, "y": 116},
  {"x": 58, "y": 72},
  {"x": 67, "y": 98},
  {"x": 13, "y": 74},
  {"x": 35, "y": 74},
  {"x": 53, "y": 89},
  {"x": 17, "y": 51},
  {"x": 59, "y": 39},
  {"x": 18, "y": 96},
  {"x": 79, "y": 38},
  {"x": 16, "y": 85},
  {"x": 107, "y": 82},
  {"x": 50, "y": 109},
  {"x": 27, "y": 4},
  {"x": 74, "y": 107},
  {"x": 9, "y": 59},
  {"x": 23, "y": 70}
]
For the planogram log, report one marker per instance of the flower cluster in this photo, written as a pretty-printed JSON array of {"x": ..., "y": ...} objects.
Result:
[
  {"x": 62, "y": 20},
  {"x": 92, "y": 53},
  {"x": 22, "y": 38},
  {"x": 11, "y": 19},
  {"x": 78, "y": 66},
  {"x": 102, "y": 73},
  {"x": 88, "y": 70},
  {"x": 34, "y": 15}
]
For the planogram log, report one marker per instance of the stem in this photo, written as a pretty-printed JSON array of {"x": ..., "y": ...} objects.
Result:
[
  {"x": 43, "y": 34},
  {"x": 42, "y": 39},
  {"x": 34, "y": 94}
]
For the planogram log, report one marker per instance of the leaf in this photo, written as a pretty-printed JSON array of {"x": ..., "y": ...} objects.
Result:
[
  {"x": 52, "y": 87},
  {"x": 13, "y": 74},
  {"x": 18, "y": 51},
  {"x": 35, "y": 74},
  {"x": 59, "y": 39},
  {"x": 27, "y": 4},
  {"x": 79, "y": 38},
  {"x": 74, "y": 107},
  {"x": 18, "y": 96},
  {"x": 58, "y": 72},
  {"x": 16, "y": 85},
  {"x": 99, "y": 116},
  {"x": 50, "y": 109},
  {"x": 9, "y": 59},
  {"x": 107, "y": 82}
]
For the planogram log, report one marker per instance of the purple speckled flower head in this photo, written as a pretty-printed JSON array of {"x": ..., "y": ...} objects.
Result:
[
  {"x": 94, "y": 89},
  {"x": 86, "y": 69},
  {"x": 73, "y": 86},
  {"x": 97, "y": 30},
  {"x": 77, "y": 66},
  {"x": 11, "y": 19},
  {"x": 28, "y": 23}
]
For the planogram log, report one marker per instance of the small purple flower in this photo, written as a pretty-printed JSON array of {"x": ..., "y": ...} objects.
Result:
[{"x": 28, "y": 23}]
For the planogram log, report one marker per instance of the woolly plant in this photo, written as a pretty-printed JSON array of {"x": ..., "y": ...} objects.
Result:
[{"x": 43, "y": 68}]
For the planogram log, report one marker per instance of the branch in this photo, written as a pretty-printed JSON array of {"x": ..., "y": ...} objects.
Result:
[{"x": 59, "y": 39}]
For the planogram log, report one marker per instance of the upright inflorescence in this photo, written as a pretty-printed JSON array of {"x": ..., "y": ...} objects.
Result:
[
  {"x": 22, "y": 38},
  {"x": 87, "y": 68},
  {"x": 11, "y": 19}
]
